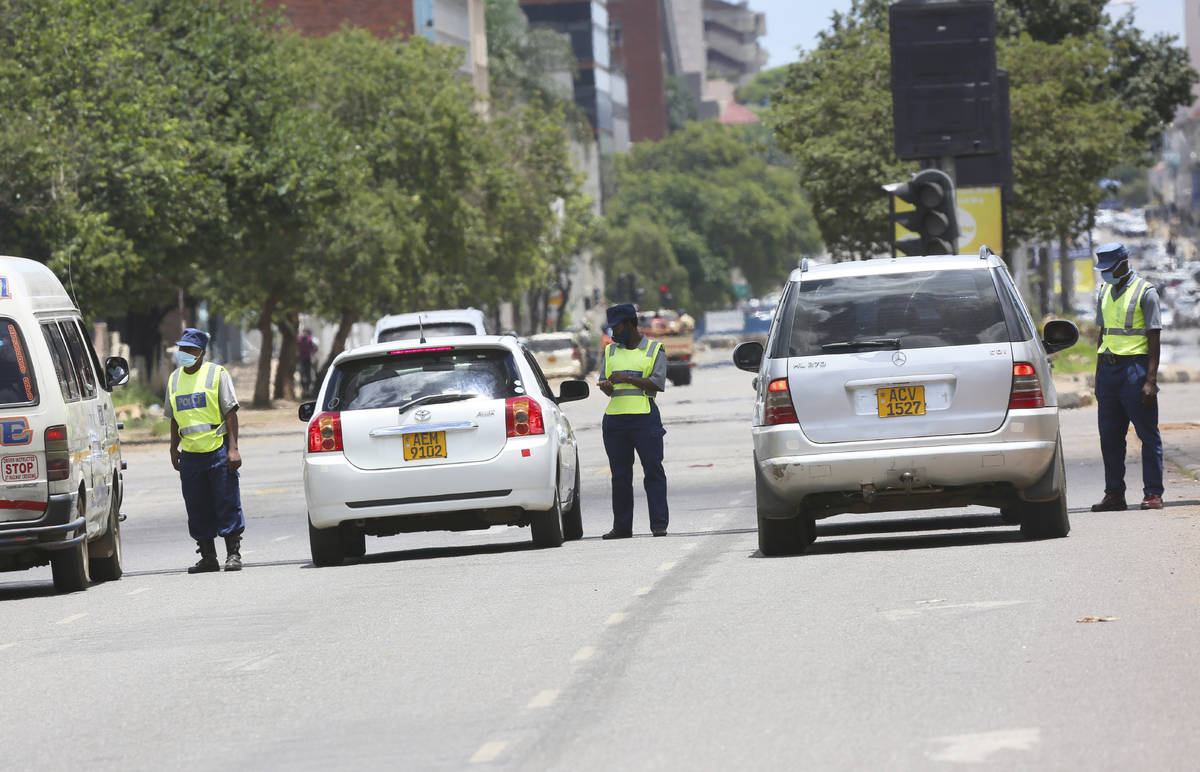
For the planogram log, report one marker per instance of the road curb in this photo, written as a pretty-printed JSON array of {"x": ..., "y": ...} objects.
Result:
[{"x": 167, "y": 440}]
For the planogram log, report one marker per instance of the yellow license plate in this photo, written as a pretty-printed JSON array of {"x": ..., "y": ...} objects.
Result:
[
  {"x": 896, "y": 401},
  {"x": 551, "y": 359},
  {"x": 423, "y": 445}
]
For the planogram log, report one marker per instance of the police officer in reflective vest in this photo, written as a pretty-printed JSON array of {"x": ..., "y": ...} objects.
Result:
[
  {"x": 1126, "y": 377},
  {"x": 203, "y": 407},
  {"x": 635, "y": 370}
]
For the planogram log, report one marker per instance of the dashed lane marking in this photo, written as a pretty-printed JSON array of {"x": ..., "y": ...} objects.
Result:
[
  {"x": 544, "y": 699},
  {"x": 4, "y": 646},
  {"x": 269, "y": 491},
  {"x": 489, "y": 751},
  {"x": 642, "y": 591},
  {"x": 708, "y": 529},
  {"x": 668, "y": 565},
  {"x": 616, "y": 619},
  {"x": 281, "y": 538},
  {"x": 584, "y": 654},
  {"x": 688, "y": 547},
  {"x": 72, "y": 618},
  {"x": 138, "y": 591},
  {"x": 720, "y": 516}
]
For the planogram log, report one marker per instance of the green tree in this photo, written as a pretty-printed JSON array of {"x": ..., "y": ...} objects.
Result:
[
  {"x": 759, "y": 91},
  {"x": 681, "y": 105}
]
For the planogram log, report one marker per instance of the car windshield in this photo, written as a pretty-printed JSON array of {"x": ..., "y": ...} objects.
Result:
[
  {"x": 431, "y": 330},
  {"x": 552, "y": 344},
  {"x": 397, "y": 379},
  {"x": 922, "y": 309},
  {"x": 17, "y": 386}
]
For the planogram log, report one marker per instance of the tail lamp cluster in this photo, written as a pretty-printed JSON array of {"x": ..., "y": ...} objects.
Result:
[
  {"x": 523, "y": 417},
  {"x": 779, "y": 408},
  {"x": 58, "y": 454},
  {"x": 1026, "y": 388},
  {"x": 325, "y": 433}
]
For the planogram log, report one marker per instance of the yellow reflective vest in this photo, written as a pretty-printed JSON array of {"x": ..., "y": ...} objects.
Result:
[
  {"x": 196, "y": 408},
  {"x": 1124, "y": 330},
  {"x": 628, "y": 399}
]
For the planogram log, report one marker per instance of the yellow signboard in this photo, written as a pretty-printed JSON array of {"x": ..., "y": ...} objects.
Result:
[{"x": 980, "y": 219}]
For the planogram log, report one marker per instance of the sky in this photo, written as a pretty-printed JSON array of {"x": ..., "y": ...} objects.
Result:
[{"x": 793, "y": 23}]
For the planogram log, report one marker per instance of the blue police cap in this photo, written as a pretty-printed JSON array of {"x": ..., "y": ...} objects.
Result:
[
  {"x": 1109, "y": 255},
  {"x": 193, "y": 337},
  {"x": 620, "y": 312}
]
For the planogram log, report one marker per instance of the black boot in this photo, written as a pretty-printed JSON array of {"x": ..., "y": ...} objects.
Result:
[
  {"x": 233, "y": 552},
  {"x": 208, "y": 558}
]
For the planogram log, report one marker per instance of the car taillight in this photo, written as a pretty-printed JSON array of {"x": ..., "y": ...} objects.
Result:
[
  {"x": 1026, "y": 388},
  {"x": 523, "y": 416},
  {"x": 779, "y": 408},
  {"x": 325, "y": 433},
  {"x": 58, "y": 455},
  {"x": 574, "y": 353}
]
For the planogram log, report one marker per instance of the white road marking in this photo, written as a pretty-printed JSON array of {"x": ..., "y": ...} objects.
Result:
[
  {"x": 544, "y": 699},
  {"x": 138, "y": 591},
  {"x": 975, "y": 748},
  {"x": 4, "y": 646},
  {"x": 708, "y": 529},
  {"x": 720, "y": 516},
  {"x": 489, "y": 751},
  {"x": 268, "y": 491},
  {"x": 616, "y": 618},
  {"x": 642, "y": 591},
  {"x": 900, "y": 614},
  {"x": 71, "y": 619},
  {"x": 281, "y": 538},
  {"x": 668, "y": 565},
  {"x": 689, "y": 547},
  {"x": 253, "y": 664},
  {"x": 584, "y": 654}
]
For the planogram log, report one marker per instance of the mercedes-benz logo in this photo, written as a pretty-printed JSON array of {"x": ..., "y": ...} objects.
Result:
[
  {"x": 422, "y": 415},
  {"x": 899, "y": 358}
]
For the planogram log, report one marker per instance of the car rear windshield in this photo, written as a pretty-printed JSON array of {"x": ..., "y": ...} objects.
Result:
[
  {"x": 17, "y": 386},
  {"x": 394, "y": 380},
  {"x": 435, "y": 330},
  {"x": 921, "y": 309},
  {"x": 556, "y": 344}
]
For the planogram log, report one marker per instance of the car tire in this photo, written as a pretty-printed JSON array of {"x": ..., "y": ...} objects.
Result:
[
  {"x": 107, "y": 566},
  {"x": 1011, "y": 514},
  {"x": 1047, "y": 519},
  {"x": 70, "y": 568},
  {"x": 572, "y": 519},
  {"x": 546, "y": 527},
  {"x": 354, "y": 541},
  {"x": 785, "y": 537},
  {"x": 683, "y": 378},
  {"x": 325, "y": 544}
]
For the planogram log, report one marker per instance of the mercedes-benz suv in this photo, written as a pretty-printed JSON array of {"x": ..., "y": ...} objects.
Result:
[{"x": 902, "y": 384}]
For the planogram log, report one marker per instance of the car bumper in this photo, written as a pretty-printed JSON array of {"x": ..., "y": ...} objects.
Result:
[
  {"x": 337, "y": 492},
  {"x": 54, "y": 530},
  {"x": 1018, "y": 453}
]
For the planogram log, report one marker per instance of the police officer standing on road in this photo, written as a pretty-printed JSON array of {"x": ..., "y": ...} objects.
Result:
[
  {"x": 203, "y": 407},
  {"x": 634, "y": 370},
  {"x": 1127, "y": 377}
]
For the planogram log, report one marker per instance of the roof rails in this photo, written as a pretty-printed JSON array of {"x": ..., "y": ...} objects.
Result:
[{"x": 985, "y": 252}]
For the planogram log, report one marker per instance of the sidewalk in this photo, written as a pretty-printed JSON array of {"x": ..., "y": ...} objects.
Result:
[{"x": 279, "y": 420}]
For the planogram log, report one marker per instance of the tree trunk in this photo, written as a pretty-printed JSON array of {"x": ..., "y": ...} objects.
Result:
[
  {"x": 262, "y": 384},
  {"x": 339, "y": 342},
  {"x": 1045, "y": 281},
  {"x": 1066, "y": 274},
  {"x": 285, "y": 370}
]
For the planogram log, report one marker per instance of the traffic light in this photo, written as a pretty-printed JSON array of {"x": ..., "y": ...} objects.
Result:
[
  {"x": 664, "y": 296},
  {"x": 931, "y": 219}
]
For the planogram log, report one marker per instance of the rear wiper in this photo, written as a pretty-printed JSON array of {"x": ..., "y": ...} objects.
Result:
[
  {"x": 865, "y": 343},
  {"x": 435, "y": 399}
]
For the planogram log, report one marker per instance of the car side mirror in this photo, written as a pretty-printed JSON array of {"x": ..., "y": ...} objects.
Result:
[
  {"x": 306, "y": 411},
  {"x": 1059, "y": 334},
  {"x": 572, "y": 391},
  {"x": 748, "y": 356},
  {"x": 116, "y": 372}
]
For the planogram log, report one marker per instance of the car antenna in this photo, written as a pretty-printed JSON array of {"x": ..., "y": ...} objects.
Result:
[{"x": 421, "y": 326}]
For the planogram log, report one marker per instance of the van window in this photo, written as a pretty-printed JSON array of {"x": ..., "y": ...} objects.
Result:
[
  {"x": 79, "y": 358},
  {"x": 92, "y": 356},
  {"x": 68, "y": 382},
  {"x": 922, "y": 309},
  {"x": 17, "y": 386},
  {"x": 431, "y": 330}
]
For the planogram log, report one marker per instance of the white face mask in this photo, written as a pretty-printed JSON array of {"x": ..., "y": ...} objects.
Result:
[
  {"x": 1108, "y": 276},
  {"x": 185, "y": 360}
]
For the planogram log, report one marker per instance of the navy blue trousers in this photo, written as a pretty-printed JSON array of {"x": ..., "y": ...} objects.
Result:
[
  {"x": 1119, "y": 403},
  {"x": 625, "y": 435},
  {"x": 212, "y": 495}
]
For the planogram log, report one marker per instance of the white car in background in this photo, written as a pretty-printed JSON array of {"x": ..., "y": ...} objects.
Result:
[
  {"x": 454, "y": 434},
  {"x": 558, "y": 354},
  {"x": 430, "y": 324}
]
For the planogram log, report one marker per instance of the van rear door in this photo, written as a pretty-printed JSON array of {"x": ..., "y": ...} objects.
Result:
[{"x": 23, "y": 489}]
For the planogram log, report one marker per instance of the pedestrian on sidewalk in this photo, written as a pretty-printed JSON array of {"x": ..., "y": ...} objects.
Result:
[
  {"x": 202, "y": 407},
  {"x": 633, "y": 370},
  {"x": 1130, "y": 322}
]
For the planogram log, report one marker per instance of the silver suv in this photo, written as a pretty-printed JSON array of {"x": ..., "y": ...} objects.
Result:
[{"x": 901, "y": 384}]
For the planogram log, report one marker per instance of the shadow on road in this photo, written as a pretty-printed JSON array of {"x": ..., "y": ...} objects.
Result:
[
  {"x": 431, "y": 553},
  {"x": 878, "y": 543},
  {"x": 26, "y": 591}
]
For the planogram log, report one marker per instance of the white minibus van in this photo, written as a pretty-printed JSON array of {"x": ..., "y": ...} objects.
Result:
[{"x": 60, "y": 456}]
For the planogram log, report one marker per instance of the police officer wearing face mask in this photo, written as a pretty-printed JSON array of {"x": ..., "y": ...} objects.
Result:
[
  {"x": 634, "y": 370},
  {"x": 1126, "y": 377},
  {"x": 203, "y": 407}
]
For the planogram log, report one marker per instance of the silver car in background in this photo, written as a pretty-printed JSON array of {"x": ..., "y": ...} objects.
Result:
[{"x": 901, "y": 384}]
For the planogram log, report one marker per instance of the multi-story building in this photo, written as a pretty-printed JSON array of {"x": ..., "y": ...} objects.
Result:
[
  {"x": 450, "y": 22},
  {"x": 731, "y": 33},
  {"x": 638, "y": 37}
]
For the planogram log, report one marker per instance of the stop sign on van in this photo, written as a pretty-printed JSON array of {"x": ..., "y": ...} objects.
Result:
[{"x": 18, "y": 468}]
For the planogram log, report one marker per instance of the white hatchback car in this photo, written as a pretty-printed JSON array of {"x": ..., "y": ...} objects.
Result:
[
  {"x": 453, "y": 434},
  {"x": 900, "y": 384}
]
